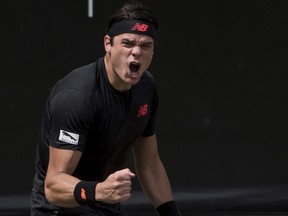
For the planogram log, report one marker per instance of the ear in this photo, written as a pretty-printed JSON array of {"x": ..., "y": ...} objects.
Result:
[{"x": 107, "y": 43}]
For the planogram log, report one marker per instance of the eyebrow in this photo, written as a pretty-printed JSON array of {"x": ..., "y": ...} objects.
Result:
[
  {"x": 146, "y": 43},
  {"x": 140, "y": 42}
]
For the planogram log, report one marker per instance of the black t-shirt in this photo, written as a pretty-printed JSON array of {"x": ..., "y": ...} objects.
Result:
[{"x": 85, "y": 113}]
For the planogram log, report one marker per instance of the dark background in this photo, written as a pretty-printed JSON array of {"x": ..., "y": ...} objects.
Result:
[{"x": 220, "y": 67}]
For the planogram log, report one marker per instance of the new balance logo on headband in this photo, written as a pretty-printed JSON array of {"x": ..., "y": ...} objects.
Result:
[
  {"x": 140, "y": 27},
  {"x": 132, "y": 26}
]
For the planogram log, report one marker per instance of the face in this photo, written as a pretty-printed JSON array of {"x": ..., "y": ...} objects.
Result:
[{"x": 127, "y": 59}]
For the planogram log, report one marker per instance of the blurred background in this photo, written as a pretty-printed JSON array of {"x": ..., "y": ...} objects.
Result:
[{"x": 221, "y": 71}]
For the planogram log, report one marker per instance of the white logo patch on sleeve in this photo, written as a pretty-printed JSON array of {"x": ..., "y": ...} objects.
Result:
[{"x": 69, "y": 137}]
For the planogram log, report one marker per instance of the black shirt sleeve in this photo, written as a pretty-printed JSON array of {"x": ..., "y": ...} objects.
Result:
[{"x": 70, "y": 119}]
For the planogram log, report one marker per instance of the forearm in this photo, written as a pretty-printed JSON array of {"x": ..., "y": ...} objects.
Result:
[
  {"x": 154, "y": 181},
  {"x": 153, "y": 177},
  {"x": 59, "y": 190},
  {"x": 64, "y": 190}
]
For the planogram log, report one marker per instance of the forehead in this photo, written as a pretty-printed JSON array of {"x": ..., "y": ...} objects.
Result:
[{"x": 135, "y": 37}]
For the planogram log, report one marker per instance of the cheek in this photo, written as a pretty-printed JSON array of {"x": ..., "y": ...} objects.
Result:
[
  {"x": 118, "y": 55},
  {"x": 118, "y": 61},
  {"x": 148, "y": 60}
]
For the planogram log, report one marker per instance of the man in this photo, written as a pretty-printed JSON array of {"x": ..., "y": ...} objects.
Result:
[{"x": 92, "y": 117}]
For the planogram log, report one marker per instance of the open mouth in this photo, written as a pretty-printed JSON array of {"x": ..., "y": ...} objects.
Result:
[{"x": 134, "y": 67}]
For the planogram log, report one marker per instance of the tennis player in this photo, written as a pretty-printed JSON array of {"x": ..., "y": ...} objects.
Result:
[{"x": 93, "y": 116}]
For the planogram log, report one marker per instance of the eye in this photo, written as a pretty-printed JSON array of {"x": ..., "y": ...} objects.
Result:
[
  {"x": 146, "y": 46},
  {"x": 127, "y": 43}
]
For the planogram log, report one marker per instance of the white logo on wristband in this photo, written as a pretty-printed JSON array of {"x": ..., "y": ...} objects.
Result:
[{"x": 69, "y": 137}]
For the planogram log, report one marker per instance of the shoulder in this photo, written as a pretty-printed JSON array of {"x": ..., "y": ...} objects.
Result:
[
  {"x": 82, "y": 79},
  {"x": 146, "y": 87},
  {"x": 75, "y": 87},
  {"x": 148, "y": 79},
  {"x": 79, "y": 78},
  {"x": 148, "y": 75}
]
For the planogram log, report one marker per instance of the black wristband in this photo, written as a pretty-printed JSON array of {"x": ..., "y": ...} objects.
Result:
[
  {"x": 84, "y": 192},
  {"x": 168, "y": 209}
]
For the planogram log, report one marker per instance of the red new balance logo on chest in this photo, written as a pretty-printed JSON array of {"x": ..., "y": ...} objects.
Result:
[
  {"x": 140, "y": 27},
  {"x": 143, "y": 109}
]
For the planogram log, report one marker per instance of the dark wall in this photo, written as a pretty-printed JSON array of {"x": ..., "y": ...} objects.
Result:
[
  {"x": 224, "y": 92},
  {"x": 221, "y": 71}
]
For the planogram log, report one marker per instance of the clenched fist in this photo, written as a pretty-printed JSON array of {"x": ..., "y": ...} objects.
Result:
[{"x": 116, "y": 188}]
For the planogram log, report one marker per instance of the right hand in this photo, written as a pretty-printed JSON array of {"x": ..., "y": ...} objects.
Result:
[{"x": 116, "y": 188}]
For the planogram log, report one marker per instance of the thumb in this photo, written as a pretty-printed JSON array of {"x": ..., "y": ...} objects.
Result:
[
  {"x": 129, "y": 172},
  {"x": 132, "y": 175}
]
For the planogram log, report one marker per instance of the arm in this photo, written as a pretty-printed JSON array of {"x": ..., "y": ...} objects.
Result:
[
  {"x": 60, "y": 184},
  {"x": 150, "y": 171}
]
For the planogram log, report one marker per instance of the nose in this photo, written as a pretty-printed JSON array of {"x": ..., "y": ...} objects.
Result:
[{"x": 136, "y": 51}]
